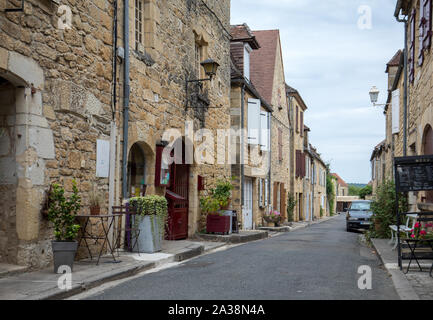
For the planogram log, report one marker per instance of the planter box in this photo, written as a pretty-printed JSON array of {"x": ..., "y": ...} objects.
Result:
[
  {"x": 148, "y": 242},
  {"x": 218, "y": 224},
  {"x": 64, "y": 254}
]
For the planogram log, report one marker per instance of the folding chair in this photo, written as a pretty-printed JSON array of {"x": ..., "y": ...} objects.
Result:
[{"x": 130, "y": 230}]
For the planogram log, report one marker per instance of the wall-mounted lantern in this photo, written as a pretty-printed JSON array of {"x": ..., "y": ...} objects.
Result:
[{"x": 210, "y": 68}]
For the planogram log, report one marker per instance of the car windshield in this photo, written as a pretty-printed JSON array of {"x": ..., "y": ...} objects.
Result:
[{"x": 360, "y": 206}]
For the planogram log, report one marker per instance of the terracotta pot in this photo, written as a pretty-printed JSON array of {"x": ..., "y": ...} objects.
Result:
[
  {"x": 227, "y": 206},
  {"x": 95, "y": 211}
]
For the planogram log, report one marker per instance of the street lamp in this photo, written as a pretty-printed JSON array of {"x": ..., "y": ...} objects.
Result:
[
  {"x": 210, "y": 69},
  {"x": 374, "y": 96}
]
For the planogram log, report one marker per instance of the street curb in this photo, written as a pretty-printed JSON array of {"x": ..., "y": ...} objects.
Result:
[
  {"x": 79, "y": 288},
  {"x": 401, "y": 284},
  {"x": 234, "y": 238},
  {"x": 188, "y": 254}
]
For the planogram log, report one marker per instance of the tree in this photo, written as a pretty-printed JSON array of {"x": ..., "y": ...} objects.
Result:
[{"x": 366, "y": 191}]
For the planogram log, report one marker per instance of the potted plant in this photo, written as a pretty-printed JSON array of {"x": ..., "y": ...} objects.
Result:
[
  {"x": 215, "y": 221},
  {"x": 62, "y": 212},
  {"x": 222, "y": 193},
  {"x": 151, "y": 218},
  {"x": 273, "y": 218},
  {"x": 95, "y": 200}
]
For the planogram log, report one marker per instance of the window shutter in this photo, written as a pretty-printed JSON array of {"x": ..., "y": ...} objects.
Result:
[
  {"x": 427, "y": 24},
  {"x": 421, "y": 27},
  {"x": 264, "y": 134},
  {"x": 283, "y": 200},
  {"x": 395, "y": 111},
  {"x": 297, "y": 119},
  {"x": 302, "y": 165},
  {"x": 253, "y": 121},
  {"x": 266, "y": 192},
  {"x": 275, "y": 202},
  {"x": 412, "y": 47},
  {"x": 261, "y": 193},
  {"x": 298, "y": 162}
]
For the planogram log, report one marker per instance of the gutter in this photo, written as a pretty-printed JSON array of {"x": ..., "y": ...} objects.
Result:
[
  {"x": 126, "y": 93},
  {"x": 242, "y": 146}
]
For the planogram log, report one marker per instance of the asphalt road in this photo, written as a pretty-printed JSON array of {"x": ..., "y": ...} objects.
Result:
[{"x": 319, "y": 262}]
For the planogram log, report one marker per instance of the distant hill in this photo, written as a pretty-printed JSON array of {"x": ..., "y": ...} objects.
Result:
[{"x": 358, "y": 185}]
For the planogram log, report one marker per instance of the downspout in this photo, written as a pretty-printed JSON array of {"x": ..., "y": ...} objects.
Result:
[
  {"x": 405, "y": 84},
  {"x": 242, "y": 145},
  {"x": 126, "y": 92}
]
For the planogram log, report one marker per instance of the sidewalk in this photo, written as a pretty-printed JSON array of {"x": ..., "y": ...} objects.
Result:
[
  {"x": 415, "y": 285},
  {"x": 295, "y": 226},
  {"x": 42, "y": 285}
]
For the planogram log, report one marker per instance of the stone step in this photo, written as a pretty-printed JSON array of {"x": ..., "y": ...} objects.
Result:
[{"x": 7, "y": 270}]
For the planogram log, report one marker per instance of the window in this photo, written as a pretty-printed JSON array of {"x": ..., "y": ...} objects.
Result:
[
  {"x": 266, "y": 192},
  {"x": 261, "y": 193},
  {"x": 297, "y": 119},
  {"x": 412, "y": 47},
  {"x": 247, "y": 51},
  {"x": 264, "y": 130},
  {"x": 425, "y": 28},
  {"x": 198, "y": 60},
  {"x": 139, "y": 25},
  {"x": 302, "y": 124}
]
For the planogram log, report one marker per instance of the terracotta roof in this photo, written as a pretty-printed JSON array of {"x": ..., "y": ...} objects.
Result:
[
  {"x": 395, "y": 61},
  {"x": 241, "y": 32},
  {"x": 263, "y": 62},
  {"x": 340, "y": 180}
]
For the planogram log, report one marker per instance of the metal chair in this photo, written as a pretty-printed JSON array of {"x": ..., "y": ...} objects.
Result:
[{"x": 132, "y": 233}]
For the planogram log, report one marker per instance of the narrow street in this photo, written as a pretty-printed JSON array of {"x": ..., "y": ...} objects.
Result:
[{"x": 318, "y": 262}]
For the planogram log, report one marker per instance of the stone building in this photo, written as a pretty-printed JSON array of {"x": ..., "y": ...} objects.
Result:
[
  {"x": 298, "y": 161},
  {"x": 267, "y": 74},
  {"x": 341, "y": 191},
  {"x": 319, "y": 197},
  {"x": 250, "y": 116},
  {"x": 63, "y": 106}
]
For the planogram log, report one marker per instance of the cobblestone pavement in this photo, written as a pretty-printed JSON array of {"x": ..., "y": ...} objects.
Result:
[{"x": 422, "y": 283}]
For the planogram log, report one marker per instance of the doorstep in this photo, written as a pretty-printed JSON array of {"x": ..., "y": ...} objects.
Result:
[
  {"x": 7, "y": 270},
  {"x": 241, "y": 237},
  {"x": 42, "y": 284}
]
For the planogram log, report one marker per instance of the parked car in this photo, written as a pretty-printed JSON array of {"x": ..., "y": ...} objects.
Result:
[{"x": 359, "y": 215}]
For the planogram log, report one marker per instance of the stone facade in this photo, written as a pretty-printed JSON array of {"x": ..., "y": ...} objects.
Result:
[{"x": 56, "y": 87}]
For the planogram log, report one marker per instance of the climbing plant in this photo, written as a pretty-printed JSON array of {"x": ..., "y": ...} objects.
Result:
[
  {"x": 291, "y": 204},
  {"x": 330, "y": 191}
]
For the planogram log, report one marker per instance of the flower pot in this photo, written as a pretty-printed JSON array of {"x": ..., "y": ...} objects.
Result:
[
  {"x": 226, "y": 207},
  {"x": 150, "y": 237},
  {"x": 218, "y": 224},
  {"x": 64, "y": 254},
  {"x": 271, "y": 224},
  {"x": 95, "y": 211}
]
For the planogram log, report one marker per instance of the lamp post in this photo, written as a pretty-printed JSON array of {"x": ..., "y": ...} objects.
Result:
[{"x": 210, "y": 68}]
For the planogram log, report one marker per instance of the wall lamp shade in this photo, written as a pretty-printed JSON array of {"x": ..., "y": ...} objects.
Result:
[
  {"x": 374, "y": 95},
  {"x": 210, "y": 67}
]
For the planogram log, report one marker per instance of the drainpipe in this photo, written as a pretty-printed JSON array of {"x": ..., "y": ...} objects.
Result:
[
  {"x": 405, "y": 84},
  {"x": 126, "y": 92},
  {"x": 242, "y": 145}
]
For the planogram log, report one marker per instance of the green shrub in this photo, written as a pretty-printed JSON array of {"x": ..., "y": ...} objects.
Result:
[
  {"x": 383, "y": 207},
  {"x": 62, "y": 212},
  {"x": 291, "y": 203}
]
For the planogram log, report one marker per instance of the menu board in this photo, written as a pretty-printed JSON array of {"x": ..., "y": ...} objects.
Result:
[{"x": 414, "y": 173}]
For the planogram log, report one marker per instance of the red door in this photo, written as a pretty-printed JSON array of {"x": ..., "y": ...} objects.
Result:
[{"x": 178, "y": 205}]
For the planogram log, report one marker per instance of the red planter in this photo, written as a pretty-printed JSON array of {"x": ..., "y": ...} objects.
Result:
[{"x": 218, "y": 224}]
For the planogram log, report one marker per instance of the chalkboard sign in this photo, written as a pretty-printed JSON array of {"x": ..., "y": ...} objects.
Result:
[{"x": 413, "y": 173}]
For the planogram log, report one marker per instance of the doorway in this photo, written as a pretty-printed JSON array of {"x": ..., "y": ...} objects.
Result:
[
  {"x": 136, "y": 172},
  {"x": 247, "y": 212}
]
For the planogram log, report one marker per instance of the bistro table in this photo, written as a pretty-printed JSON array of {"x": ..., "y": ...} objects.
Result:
[
  {"x": 413, "y": 245},
  {"x": 104, "y": 236}
]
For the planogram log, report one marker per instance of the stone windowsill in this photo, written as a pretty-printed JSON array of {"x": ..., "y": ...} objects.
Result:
[{"x": 425, "y": 206}]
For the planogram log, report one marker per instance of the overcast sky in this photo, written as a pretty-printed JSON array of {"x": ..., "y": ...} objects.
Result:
[{"x": 333, "y": 64}]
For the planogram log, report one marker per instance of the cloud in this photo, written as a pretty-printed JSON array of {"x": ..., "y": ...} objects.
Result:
[{"x": 333, "y": 65}]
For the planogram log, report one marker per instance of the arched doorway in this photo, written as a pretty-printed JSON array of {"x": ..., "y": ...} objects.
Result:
[
  {"x": 136, "y": 172},
  {"x": 427, "y": 147},
  {"x": 8, "y": 175}
]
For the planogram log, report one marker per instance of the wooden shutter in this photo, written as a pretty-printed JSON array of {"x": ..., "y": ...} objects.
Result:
[
  {"x": 261, "y": 193},
  {"x": 275, "y": 202},
  {"x": 421, "y": 28},
  {"x": 302, "y": 164},
  {"x": 412, "y": 47},
  {"x": 298, "y": 163},
  {"x": 253, "y": 121},
  {"x": 283, "y": 200},
  {"x": 428, "y": 24},
  {"x": 297, "y": 119}
]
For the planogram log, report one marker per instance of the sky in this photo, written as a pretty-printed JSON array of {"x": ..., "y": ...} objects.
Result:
[{"x": 333, "y": 64}]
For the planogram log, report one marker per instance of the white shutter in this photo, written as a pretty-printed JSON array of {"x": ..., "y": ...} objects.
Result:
[
  {"x": 266, "y": 192},
  {"x": 247, "y": 50},
  {"x": 264, "y": 132},
  {"x": 261, "y": 193},
  {"x": 254, "y": 121},
  {"x": 395, "y": 111}
]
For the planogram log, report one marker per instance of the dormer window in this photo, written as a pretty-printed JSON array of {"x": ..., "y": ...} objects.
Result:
[{"x": 247, "y": 52}]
